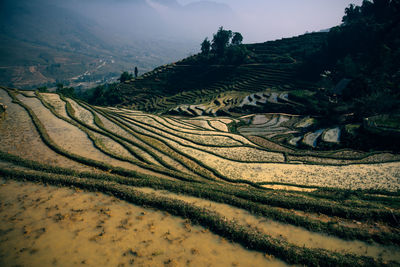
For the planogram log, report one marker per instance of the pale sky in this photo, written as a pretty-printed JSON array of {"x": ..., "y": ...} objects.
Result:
[{"x": 262, "y": 20}]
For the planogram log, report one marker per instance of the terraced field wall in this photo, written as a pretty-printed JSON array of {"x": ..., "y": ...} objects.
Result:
[
  {"x": 274, "y": 65},
  {"x": 313, "y": 208}
]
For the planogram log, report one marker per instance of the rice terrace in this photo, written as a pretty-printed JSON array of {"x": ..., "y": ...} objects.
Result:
[{"x": 267, "y": 154}]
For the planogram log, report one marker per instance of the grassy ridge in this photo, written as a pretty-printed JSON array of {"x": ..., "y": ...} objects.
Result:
[
  {"x": 297, "y": 152},
  {"x": 223, "y": 194},
  {"x": 87, "y": 128},
  {"x": 271, "y": 64},
  {"x": 51, "y": 144},
  {"x": 196, "y": 169},
  {"x": 215, "y": 222}
]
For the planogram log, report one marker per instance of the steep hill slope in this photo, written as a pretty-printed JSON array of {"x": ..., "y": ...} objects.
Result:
[
  {"x": 268, "y": 65},
  {"x": 347, "y": 77}
]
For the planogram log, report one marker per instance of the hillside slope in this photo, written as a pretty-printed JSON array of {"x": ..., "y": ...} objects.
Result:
[
  {"x": 347, "y": 78},
  {"x": 268, "y": 65}
]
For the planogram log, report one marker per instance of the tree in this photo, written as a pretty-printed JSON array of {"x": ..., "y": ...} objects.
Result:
[
  {"x": 221, "y": 41},
  {"x": 125, "y": 76},
  {"x": 237, "y": 38},
  {"x": 59, "y": 86},
  {"x": 205, "y": 47},
  {"x": 351, "y": 13},
  {"x": 112, "y": 95},
  {"x": 65, "y": 91},
  {"x": 136, "y": 72},
  {"x": 43, "y": 89},
  {"x": 97, "y": 96},
  {"x": 236, "y": 54}
]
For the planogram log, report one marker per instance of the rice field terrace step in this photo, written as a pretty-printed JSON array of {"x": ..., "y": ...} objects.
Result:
[
  {"x": 108, "y": 159},
  {"x": 311, "y": 139},
  {"x": 295, "y": 141},
  {"x": 20, "y": 137},
  {"x": 331, "y": 135},
  {"x": 121, "y": 190},
  {"x": 291, "y": 233},
  {"x": 305, "y": 123}
]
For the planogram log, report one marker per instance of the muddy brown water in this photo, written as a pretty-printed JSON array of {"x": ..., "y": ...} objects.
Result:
[
  {"x": 50, "y": 226},
  {"x": 293, "y": 234}
]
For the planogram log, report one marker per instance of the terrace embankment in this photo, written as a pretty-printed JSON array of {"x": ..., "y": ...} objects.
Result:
[{"x": 338, "y": 207}]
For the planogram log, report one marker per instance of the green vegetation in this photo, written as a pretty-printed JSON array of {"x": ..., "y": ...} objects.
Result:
[
  {"x": 237, "y": 38},
  {"x": 226, "y": 48},
  {"x": 227, "y": 67},
  {"x": 233, "y": 126},
  {"x": 108, "y": 94},
  {"x": 43, "y": 89},
  {"x": 364, "y": 50},
  {"x": 65, "y": 91},
  {"x": 125, "y": 76},
  {"x": 205, "y": 47}
]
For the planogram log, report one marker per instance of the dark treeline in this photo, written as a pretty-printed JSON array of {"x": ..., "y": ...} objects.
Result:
[
  {"x": 102, "y": 95},
  {"x": 365, "y": 50},
  {"x": 225, "y": 48}
]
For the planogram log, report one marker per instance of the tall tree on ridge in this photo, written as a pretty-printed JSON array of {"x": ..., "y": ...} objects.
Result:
[
  {"x": 221, "y": 40},
  {"x": 205, "y": 47}
]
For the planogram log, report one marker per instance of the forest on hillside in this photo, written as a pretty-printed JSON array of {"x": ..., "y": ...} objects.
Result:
[{"x": 365, "y": 49}]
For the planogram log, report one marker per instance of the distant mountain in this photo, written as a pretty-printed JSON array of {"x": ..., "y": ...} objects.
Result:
[
  {"x": 209, "y": 7},
  {"x": 168, "y": 3},
  {"x": 47, "y": 41},
  {"x": 199, "y": 7},
  {"x": 40, "y": 23}
]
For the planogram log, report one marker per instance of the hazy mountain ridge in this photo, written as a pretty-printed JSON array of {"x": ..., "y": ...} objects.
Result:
[{"x": 38, "y": 36}]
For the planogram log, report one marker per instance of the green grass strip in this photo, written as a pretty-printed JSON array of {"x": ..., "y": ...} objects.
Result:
[
  {"x": 213, "y": 171},
  {"x": 98, "y": 145},
  {"x": 246, "y": 236},
  {"x": 358, "y": 160},
  {"x": 220, "y": 194},
  {"x": 329, "y": 154},
  {"x": 50, "y": 143},
  {"x": 137, "y": 136},
  {"x": 110, "y": 134},
  {"x": 130, "y": 130},
  {"x": 87, "y": 128}
]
